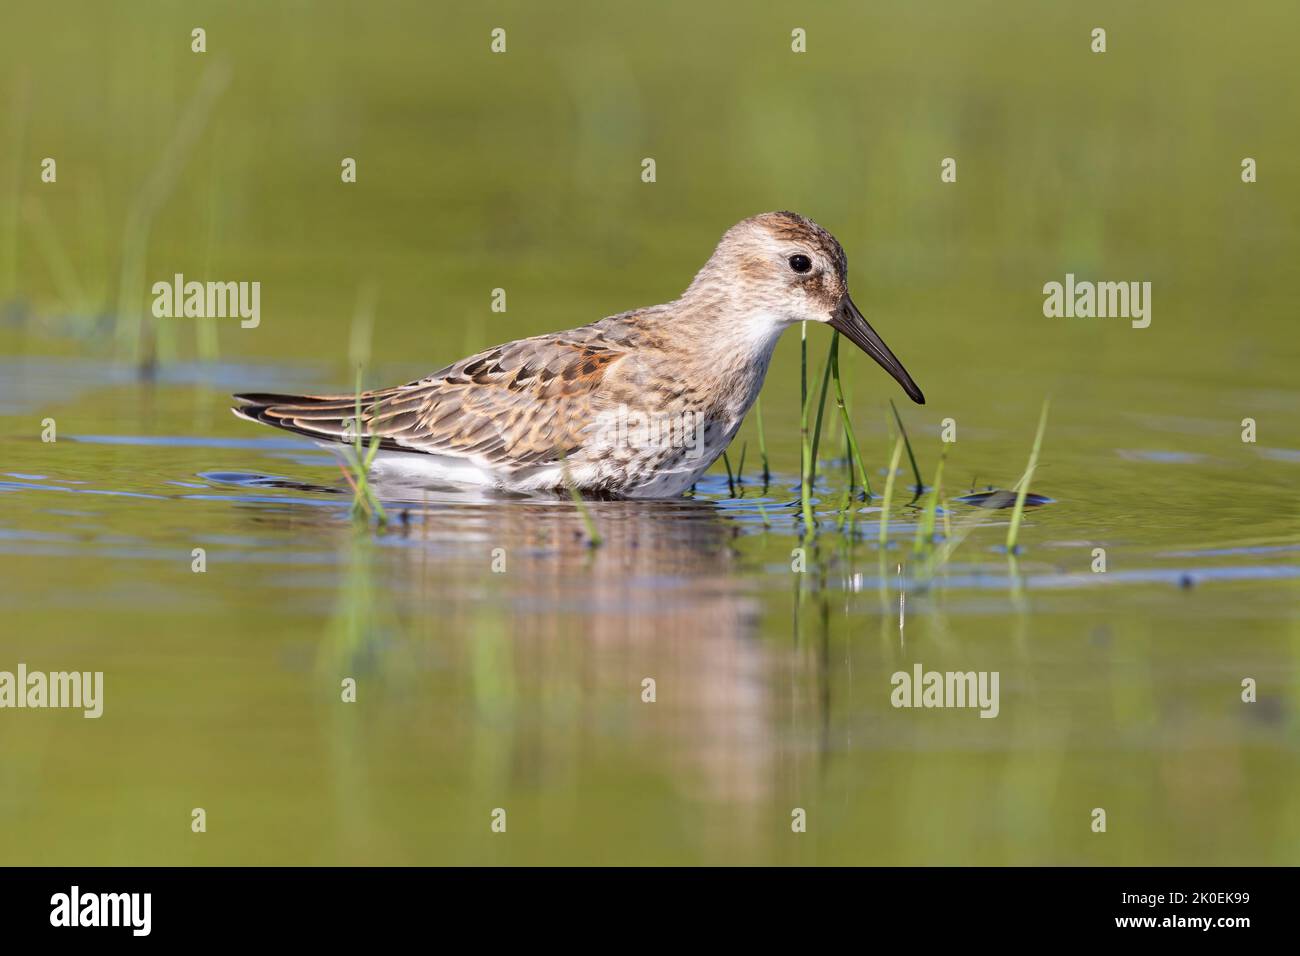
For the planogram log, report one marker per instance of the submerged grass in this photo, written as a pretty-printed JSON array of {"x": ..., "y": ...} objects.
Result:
[{"x": 594, "y": 540}]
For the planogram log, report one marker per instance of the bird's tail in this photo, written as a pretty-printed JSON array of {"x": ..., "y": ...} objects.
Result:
[{"x": 323, "y": 417}]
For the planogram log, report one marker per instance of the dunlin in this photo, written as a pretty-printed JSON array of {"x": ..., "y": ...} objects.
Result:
[{"x": 637, "y": 404}]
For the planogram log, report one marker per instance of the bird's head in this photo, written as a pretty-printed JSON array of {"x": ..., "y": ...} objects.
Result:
[{"x": 780, "y": 268}]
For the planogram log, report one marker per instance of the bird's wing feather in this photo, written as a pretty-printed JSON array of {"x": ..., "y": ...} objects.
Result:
[{"x": 518, "y": 404}]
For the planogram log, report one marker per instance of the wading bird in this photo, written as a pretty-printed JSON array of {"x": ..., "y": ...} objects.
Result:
[{"x": 636, "y": 405}]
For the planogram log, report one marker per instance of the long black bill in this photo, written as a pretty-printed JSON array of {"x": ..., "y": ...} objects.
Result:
[{"x": 849, "y": 321}]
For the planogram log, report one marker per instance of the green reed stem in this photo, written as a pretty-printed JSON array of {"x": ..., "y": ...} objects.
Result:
[
  {"x": 925, "y": 527},
  {"x": 902, "y": 430},
  {"x": 821, "y": 408},
  {"x": 855, "y": 455},
  {"x": 762, "y": 442},
  {"x": 805, "y": 448},
  {"x": 846, "y": 499},
  {"x": 1022, "y": 487},
  {"x": 594, "y": 540},
  {"x": 731, "y": 479},
  {"x": 364, "y": 501},
  {"x": 889, "y": 490}
]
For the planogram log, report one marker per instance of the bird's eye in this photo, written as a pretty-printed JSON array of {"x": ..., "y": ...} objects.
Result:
[{"x": 800, "y": 263}]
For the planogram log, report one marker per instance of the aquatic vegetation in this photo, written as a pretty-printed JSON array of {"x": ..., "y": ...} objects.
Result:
[
  {"x": 1022, "y": 486},
  {"x": 888, "y": 497},
  {"x": 805, "y": 447},
  {"x": 855, "y": 454},
  {"x": 821, "y": 408},
  {"x": 923, "y": 543},
  {"x": 902, "y": 430},
  {"x": 731, "y": 478},
  {"x": 812, "y": 441},
  {"x": 594, "y": 540},
  {"x": 356, "y": 469},
  {"x": 762, "y": 441},
  {"x": 931, "y": 549}
]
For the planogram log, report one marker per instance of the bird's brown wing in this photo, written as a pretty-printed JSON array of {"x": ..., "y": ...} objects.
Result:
[{"x": 518, "y": 404}]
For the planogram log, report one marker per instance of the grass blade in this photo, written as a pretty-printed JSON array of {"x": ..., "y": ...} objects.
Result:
[
  {"x": 805, "y": 449},
  {"x": 810, "y": 445},
  {"x": 855, "y": 455},
  {"x": 889, "y": 490},
  {"x": 1022, "y": 486},
  {"x": 821, "y": 408},
  {"x": 762, "y": 442},
  {"x": 924, "y": 540},
  {"x": 364, "y": 500},
  {"x": 594, "y": 540},
  {"x": 916, "y": 472}
]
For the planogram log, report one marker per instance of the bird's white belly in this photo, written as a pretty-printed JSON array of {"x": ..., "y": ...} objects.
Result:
[
  {"x": 412, "y": 466},
  {"x": 608, "y": 463}
]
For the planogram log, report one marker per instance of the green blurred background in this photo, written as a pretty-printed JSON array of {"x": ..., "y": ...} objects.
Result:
[{"x": 522, "y": 171}]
